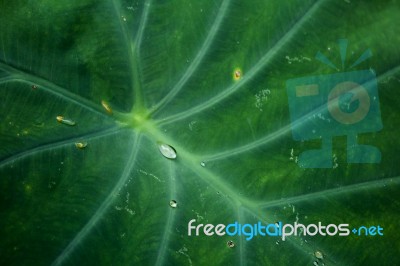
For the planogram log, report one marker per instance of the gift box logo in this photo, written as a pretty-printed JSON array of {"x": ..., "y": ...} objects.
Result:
[{"x": 340, "y": 104}]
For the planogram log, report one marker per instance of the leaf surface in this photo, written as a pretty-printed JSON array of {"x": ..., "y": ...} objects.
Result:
[{"x": 166, "y": 69}]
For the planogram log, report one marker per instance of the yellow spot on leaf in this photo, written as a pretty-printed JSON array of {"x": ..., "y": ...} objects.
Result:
[{"x": 237, "y": 74}]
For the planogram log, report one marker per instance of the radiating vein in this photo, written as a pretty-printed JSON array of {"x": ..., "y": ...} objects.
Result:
[
  {"x": 242, "y": 243},
  {"x": 81, "y": 235},
  {"x": 21, "y": 76},
  {"x": 286, "y": 129},
  {"x": 334, "y": 192},
  {"x": 133, "y": 47},
  {"x": 142, "y": 26},
  {"x": 171, "y": 215},
  {"x": 197, "y": 60},
  {"x": 58, "y": 145},
  {"x": 136, "y": 46},
  {"x": 258, "y": 208},
  {"x": 262, "y": 63},
  {"x": 6, "y": 79},
  {"x": 306, "y": 249}
]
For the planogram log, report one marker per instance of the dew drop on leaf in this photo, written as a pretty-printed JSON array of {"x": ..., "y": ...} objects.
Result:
[
  {"x": 318, "y": 254},
  {"x": 203, "y": 164},
  {"x": 173, "y": 204},
  {"x": 106, "y": 107},
  {"x": 65, "y": 121},
  {"x": 80, "y": 145},
  {"x": 167, "y": 151}
]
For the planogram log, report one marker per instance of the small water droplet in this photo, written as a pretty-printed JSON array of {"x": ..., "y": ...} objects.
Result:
[
  {"x": 318, "y": 254},
  {"x": 230, "y": 244},
  {"x": 107, "y": 107},
  {"x": 203, "y": 164},
  {"x": 167, "y": 151},
  {"x": 173, "y": 204},
  {"x": 80, "y": 145},
  {"x": 65, "y": 121}
]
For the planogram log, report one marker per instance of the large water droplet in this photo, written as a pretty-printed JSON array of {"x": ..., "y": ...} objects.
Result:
[
  {"x": 173, "y": 204},
  {"x": 203, "y": 164},
  {"x": 167, "y": 151}
]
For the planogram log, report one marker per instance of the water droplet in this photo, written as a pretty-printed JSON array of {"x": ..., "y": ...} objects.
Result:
[
  {"x": 318, "y": 254},
  {"x": 230, "y": 244},
  {"x": 80, "y": 145},
  {"x": 65, "y": 121},
  {"x": 106, "y": 107},
  {"x": 173, "y": 204},
  {"x": 167, "y": 151},
  {"x": 203, "y": 164}
]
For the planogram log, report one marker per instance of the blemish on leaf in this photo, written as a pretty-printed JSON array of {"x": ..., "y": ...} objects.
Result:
[
  {"x": 261, "y": 98},
  {"x": 230, "y": 244},
  {"x": 237, "y": 74}
]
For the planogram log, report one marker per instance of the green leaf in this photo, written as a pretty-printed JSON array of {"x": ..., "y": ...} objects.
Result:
[{"x": 166, "y": 69}]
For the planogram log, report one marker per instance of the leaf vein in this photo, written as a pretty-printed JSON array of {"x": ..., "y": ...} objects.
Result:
[{"x": 249, "y": 75}]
